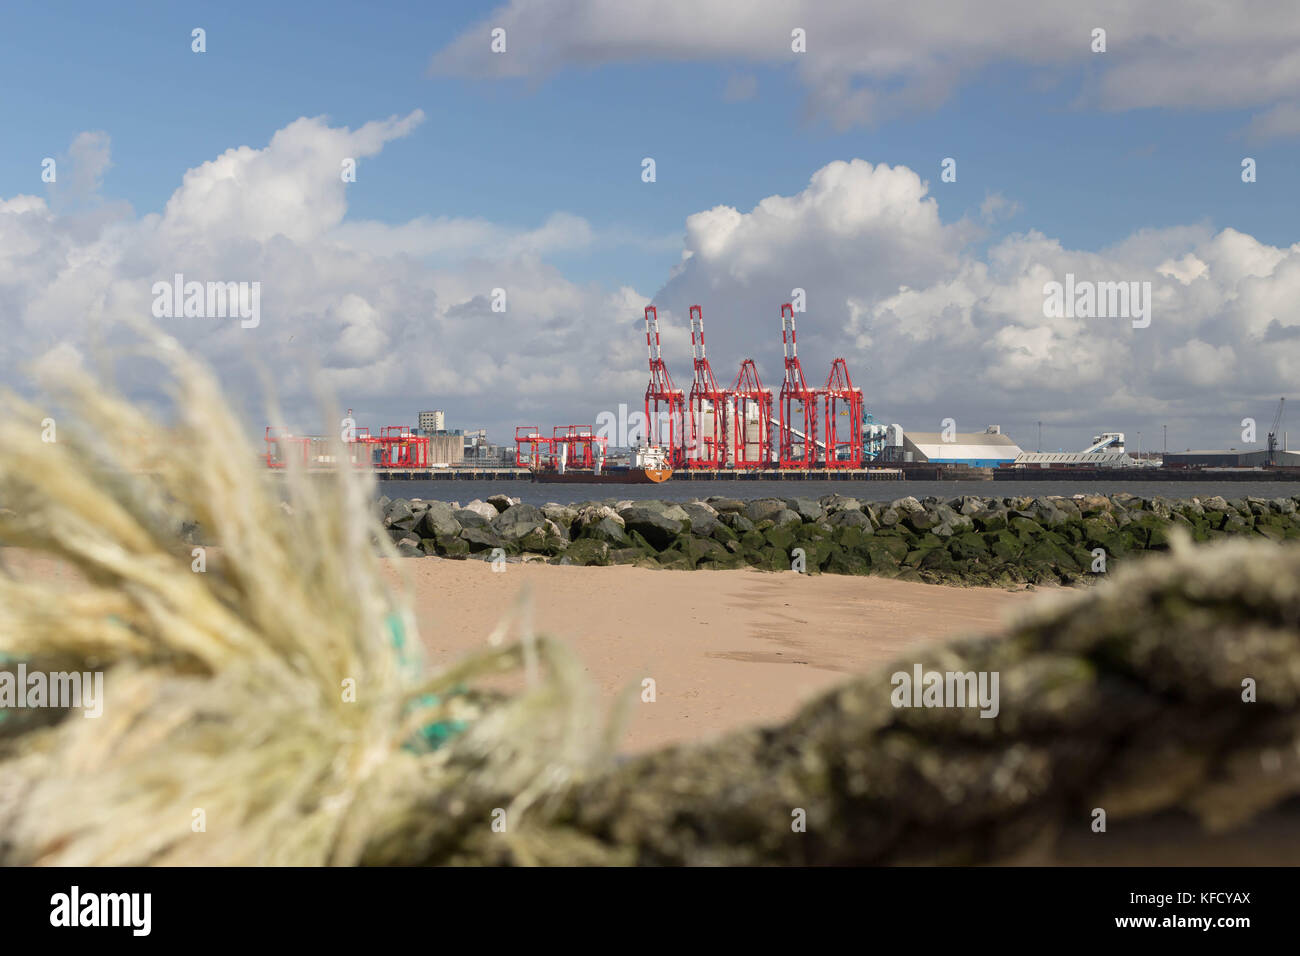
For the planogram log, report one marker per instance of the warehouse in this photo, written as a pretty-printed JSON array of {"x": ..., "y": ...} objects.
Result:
[
  {"x": 1232, "y": 458},
  {"x": 987, "y": 449}
]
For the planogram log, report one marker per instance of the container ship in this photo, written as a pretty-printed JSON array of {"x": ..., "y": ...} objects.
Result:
[{"x": 649, "y": 466}]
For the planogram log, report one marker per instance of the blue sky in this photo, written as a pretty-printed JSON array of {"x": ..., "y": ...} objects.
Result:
[
  {"x": 1078, "y": 167},
  {"x": 514, "y": 151}
]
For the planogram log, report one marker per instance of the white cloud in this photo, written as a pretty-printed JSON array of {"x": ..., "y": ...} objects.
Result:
[
  {"x": 871, "y": 59},
  {"x": 395, "y": 317},
  {"x": 442, "y": 236},
  {"x": 1282, "y": 120},
  {"x": 399, "y": 317},
  {"x": 292, "y": 188},
  {"x": 997, "y": 208},
  {"x": 932, "y": 330}
]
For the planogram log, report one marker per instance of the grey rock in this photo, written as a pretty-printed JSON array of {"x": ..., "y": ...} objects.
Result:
[
  {"x": 850, "y": 518},
  {"x": 608, "y": 530},
  {"x": 399, "y": 515},
  {"x": 654, "y": 525},
  {"x": 482, "y": 539},
  {"x": 785, "y": 517},
  {"x": 806, "y": 508},
  {"x": 562, "y": 515},
  {"x": 736, "y": 521},
  {"x": 834, "y": 503},
  {"x": 487, "y": 511},
  {"x": 908, "y": 505},
  {"x": 761, "y": 508},
  {"x": 470, "y": 519},
  {"x": 592, "y": 514},
  {"x": 704, "y": 520},
  {"x": 517, "y": 521},
  {"x": 439, "y": 520}
]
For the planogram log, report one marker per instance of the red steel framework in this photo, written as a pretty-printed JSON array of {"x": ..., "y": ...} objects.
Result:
[
  {"x": 842, "y": 399},
  {"x": 719, "y": 428},
  {"x": 581, "y": 447},
  {"x": 661, "y": 391},
  {"x": 396, "y": 446},
  {"x": 531, "y": 446},
  {"x": 707, "y": 418},
  {"x": 399, "y": 447},
  {"x": 753, "y": 409},
  {"x": 796, "y": 446}
]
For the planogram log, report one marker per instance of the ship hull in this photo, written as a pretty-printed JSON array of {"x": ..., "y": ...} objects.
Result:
[{"x": 610, "y": 476}]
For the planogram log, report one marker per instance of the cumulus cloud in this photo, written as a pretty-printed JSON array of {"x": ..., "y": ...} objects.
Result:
[
  {"x": 871, "y": 59},
  {"x": 997, "y": 207},
  {"x": 397, "y": 317},
  {"x": 392, "y": 317},
  {"x": 88, "y": 158},
  {"x": 932, "y": 330},
  {"x": 1281, "y": 121},
  {"x": 443, "y": 236},
  {"x": 292, "y": 188}
]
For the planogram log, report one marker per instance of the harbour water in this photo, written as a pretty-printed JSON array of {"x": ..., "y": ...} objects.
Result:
[{"x": 540, "y": 493}]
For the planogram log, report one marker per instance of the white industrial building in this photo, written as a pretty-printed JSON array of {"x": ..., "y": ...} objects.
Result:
[
  {"x": 987, "y": 449},
  {"x": 431, "y": 423}
]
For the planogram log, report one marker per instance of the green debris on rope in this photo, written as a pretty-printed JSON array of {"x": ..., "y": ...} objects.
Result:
[
  {"x": 430, "y": 737},
  {"x": 433, "y": 735}
]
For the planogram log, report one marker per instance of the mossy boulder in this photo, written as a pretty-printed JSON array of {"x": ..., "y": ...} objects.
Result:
[
  {"x": 780, "y": 537},
  {"x": 453, "y": 547},
  {"x": 1025, "y": 528},
  {"x": 968, "y": 546},
  {"x": 588, "y": 551}
]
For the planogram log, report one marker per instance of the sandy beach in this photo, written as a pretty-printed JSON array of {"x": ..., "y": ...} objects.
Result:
[{"x": 725, "y": 648}]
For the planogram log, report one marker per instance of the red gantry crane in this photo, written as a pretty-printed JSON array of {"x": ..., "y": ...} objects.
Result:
[
  {"x": 751, "y": 435},
  {"x": 843, "y": 440},
  {"x": 662, "y": 392},
  {"x": 797, "y": 440},
  {"x": 706, "y": 445}
]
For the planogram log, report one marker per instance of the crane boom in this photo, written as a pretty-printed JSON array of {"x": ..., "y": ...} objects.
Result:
[{"x": 1274, "y": 431}]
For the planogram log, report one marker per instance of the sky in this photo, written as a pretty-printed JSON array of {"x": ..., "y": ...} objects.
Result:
[{"x": 795, "y": 146}]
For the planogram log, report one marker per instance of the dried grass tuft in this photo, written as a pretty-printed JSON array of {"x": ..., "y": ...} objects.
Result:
[{"x": 224, "y": 690}]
